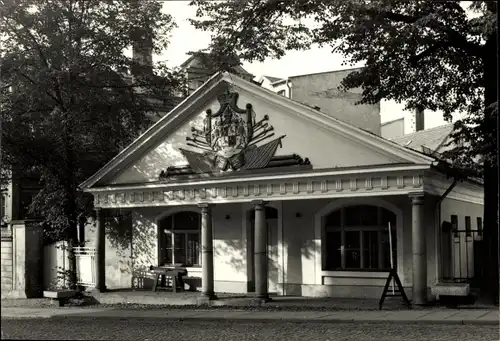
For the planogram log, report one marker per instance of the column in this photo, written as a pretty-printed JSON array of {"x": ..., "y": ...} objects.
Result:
[
  {"x": 207, "y": 255},
  {"x": 260, "y": 247},
  {"x": 100, "y": 247},
  {"x": 419, "y": 290}
]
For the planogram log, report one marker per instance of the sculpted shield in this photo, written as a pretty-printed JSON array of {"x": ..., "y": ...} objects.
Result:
[
  {"x": 231, "y": 141},
  {"x": 229, "y": 135}
]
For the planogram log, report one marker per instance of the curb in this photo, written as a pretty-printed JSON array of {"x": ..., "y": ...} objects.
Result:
[{"x": 260, "y": 319}]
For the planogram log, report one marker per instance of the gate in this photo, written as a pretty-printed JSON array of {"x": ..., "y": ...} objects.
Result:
[
  {"x": 85, "y": 266},
  {"x": 466, "y": 256}
]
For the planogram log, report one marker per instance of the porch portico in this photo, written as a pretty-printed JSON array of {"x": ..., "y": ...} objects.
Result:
[{"x": 310, "y": 196}]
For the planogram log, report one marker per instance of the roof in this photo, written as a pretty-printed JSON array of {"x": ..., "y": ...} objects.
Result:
[
  {"x": 168, "y": 123},
  {"x": 206, "y": 60},
  {"x": 323, "y": 72},
  {"x": 273, "y": 79},
  {"x": 392, "y": 121},
  {"x": 434, "y": 138}
]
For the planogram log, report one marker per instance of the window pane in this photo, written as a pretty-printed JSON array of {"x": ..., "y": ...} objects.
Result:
[
  {"x": 368, "y": 215},
  {"x": 361, "y": 215},
  {"x": 387, "y": 217},
  {"x": 352, "y": 259},
  {"x": 386, "y": 249},
  {"x": 186, "y": 221},
  {"x": 352, "y": 239},
  {"x": 165, "y": 248},
  {"x": 166, "y": 223},
  {"x": 333, "y": 219},
  {"x": 180, "y": 248},
  {"x": 352, "y": 249},
  {"x": 352, "y": 217},
  {"x": 193, "y": 251},
  {"x": 332, "y": 249},
  {"x": 370, "y": 249}
]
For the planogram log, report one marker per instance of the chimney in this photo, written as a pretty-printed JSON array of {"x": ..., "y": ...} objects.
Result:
[
  {"x": 418, "y": 119},
  {"x": 142, "y": 50}
]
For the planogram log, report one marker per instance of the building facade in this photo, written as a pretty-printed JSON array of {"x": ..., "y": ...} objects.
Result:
[{"x": 254, "y": 192}]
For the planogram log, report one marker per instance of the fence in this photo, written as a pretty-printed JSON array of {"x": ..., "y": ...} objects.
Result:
[
  {"x": 466, "y": 248},
  {"x": 85, "y": 266},
  {"x": 6, "y": 257}
]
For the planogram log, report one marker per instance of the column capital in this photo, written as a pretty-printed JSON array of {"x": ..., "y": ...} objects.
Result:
[
  {"x": 417, "y": 198},
  {"x": 259, "y": 202},
  {"x": 98, "y": 209},
  {"x": 205, "y": 207}
]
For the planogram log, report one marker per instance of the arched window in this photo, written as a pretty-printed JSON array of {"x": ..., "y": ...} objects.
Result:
[
  {"x": 357, "y": 237},
  {"x": 180, "y": 232}
]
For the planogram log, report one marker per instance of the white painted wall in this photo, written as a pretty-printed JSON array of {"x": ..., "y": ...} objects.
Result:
[
  {"x": 55, "y": 261},
  {"x": 391, "y": 110},
  {"x": 299, "y": 250}
]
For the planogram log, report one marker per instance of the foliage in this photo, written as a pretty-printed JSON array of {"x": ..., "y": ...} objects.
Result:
[
  {"x": 68, "y": 101},
  {"x": 437, "y": 55}
]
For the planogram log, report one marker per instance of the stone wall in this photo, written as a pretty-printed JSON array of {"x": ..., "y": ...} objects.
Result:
[
  {"x": 26, "y": 260},
  {"x": 6, "y": 259}
]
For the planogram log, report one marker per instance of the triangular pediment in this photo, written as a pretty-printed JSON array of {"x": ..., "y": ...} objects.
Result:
[{"x": 231, "y": 125}]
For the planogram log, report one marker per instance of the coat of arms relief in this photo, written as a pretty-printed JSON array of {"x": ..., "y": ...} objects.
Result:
[{"x": 232, "y": 140}]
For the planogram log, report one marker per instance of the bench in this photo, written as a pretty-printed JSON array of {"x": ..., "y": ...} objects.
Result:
[
  {"x": 175, "y": 275},
  {"x": 193, "y": 282},
  {"x": 59, "y": 296}
]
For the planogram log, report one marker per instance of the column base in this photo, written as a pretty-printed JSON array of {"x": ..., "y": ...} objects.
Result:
[
  {"x": 205, "y": 298},
  {"x": 101, "y": 289},
  {"x": 262, "y": 299}
]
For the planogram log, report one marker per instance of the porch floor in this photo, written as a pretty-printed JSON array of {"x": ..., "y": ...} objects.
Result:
[{"x": 190, "y": 298}]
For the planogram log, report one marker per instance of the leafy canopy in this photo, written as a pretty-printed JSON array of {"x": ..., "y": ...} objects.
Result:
[{"x": 68, "y": 103}]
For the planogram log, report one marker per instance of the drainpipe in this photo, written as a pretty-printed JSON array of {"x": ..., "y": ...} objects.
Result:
[{"x": 438, "y": 222}]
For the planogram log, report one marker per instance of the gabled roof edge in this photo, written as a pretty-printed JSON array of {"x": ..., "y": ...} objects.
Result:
[{"x": 144, "y": 136}]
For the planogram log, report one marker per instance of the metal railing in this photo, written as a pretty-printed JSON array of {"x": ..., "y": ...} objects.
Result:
[
  {"x": 85, "y": 266},
  {"x": 466, "y": 258}
]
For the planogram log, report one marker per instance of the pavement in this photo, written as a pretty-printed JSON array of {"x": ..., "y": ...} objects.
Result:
[
  {"x": 61, "y": 328},
  {"x": 435, "y": 316}
]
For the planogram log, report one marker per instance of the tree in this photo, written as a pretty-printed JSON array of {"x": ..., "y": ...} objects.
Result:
[
  {"x": 429, "y": 54},
  {"x": 68, "y": 104}
]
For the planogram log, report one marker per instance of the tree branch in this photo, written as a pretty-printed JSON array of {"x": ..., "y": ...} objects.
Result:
[
  {"x": 428, "y": 52},
  {"x": 33, "y": 82}
]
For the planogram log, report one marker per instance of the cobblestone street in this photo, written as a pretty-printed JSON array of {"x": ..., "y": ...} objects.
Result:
[{"x": 158, "y": 329}]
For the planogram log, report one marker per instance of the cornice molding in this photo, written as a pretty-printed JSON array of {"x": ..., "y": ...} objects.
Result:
[
  {"x": 277, "y": 189},
  {"x": 415, "y": 172}
]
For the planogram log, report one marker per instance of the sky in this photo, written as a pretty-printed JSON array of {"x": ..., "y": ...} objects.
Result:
[{"x": 185, "y": 38}]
